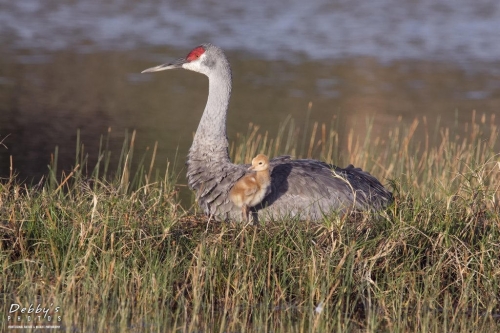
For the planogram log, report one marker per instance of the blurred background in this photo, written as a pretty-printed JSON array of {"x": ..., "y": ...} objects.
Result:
[{"x": 69, "y": 65}]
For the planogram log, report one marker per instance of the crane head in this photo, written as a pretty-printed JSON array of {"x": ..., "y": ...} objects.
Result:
[
  {"x": 195, "y": 61},
  {"x": 259, "y": 163}
]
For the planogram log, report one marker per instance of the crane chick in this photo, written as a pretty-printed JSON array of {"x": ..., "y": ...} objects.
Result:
[{"x": 251, "y": 189}]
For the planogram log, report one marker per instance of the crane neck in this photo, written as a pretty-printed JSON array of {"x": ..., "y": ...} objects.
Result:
[{"x": 210, "y": 140}]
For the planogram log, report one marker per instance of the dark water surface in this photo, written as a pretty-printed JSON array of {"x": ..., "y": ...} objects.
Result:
[{"x": 76, "y": 66}]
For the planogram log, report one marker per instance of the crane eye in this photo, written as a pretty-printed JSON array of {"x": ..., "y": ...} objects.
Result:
[{"x": 196, "y": 53}]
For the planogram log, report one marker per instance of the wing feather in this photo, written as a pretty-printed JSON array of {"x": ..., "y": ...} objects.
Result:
[{"x": 306, "y": 187}]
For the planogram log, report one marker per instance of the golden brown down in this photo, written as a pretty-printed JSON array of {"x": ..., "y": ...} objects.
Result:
[{"x": 251, "y": 189}]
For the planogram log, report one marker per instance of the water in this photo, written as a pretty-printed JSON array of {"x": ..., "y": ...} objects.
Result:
[
  {"x": 75, "y": 65},
  {"x": 447, "y": 30}
]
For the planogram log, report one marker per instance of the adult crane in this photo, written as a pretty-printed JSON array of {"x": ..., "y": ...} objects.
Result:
[{"x": 301, "y": 188}]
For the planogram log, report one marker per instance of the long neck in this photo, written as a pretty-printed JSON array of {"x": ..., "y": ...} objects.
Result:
[{"x": 210, "y": 140}]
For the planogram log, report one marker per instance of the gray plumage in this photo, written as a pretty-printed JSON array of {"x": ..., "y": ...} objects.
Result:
[{"x": 299, "y": 188}]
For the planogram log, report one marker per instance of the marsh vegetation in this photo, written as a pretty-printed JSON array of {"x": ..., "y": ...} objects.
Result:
[{"x": 114, "y": 249}]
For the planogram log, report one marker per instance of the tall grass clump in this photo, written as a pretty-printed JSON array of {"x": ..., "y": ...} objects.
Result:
[{"x": 116, "y": 252}]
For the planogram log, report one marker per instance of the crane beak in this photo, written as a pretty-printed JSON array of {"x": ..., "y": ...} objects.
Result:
[
  {"x": 250, "y": 168},
  {"x": 176, "y": 64}
]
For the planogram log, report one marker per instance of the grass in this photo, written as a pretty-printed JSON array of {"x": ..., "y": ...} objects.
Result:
[{"x": 114, "y": 251}]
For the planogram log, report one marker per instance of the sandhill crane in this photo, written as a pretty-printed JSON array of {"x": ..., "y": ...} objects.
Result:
[
  {"x": 251, "y": 189},
  {"x": 303, "y": 188}
]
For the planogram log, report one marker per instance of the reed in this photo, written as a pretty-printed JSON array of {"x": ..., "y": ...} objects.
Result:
[{"x": 115, "y": 251}]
